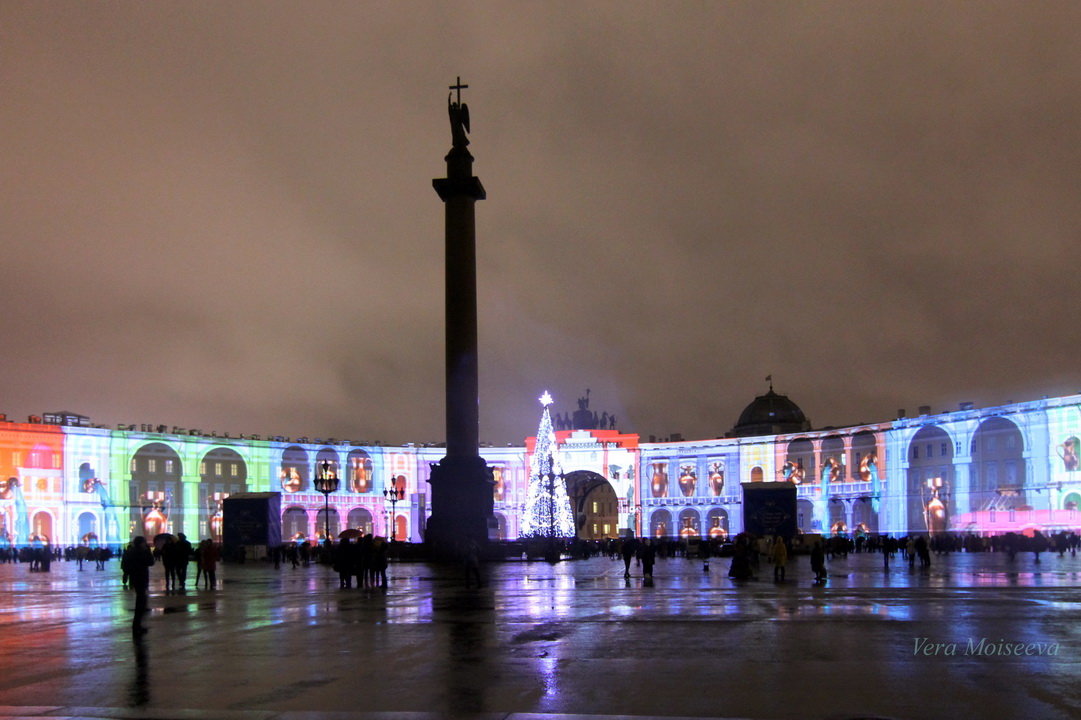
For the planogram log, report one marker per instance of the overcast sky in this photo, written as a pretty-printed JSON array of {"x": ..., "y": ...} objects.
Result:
[{"x": 220, "y": 215}]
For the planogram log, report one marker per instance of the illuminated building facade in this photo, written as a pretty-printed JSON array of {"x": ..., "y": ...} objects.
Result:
[{"x": 984, "y": 470}]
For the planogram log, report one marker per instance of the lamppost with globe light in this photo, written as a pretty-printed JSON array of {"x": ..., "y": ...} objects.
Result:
[
  {"x": 393, "y": 494},
  {"x": 326, "y": 482}
]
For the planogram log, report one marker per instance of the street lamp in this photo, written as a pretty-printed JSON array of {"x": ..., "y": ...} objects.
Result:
[
  {"x": 326, "y": 482},
  {"x": 393, "y": 494}
]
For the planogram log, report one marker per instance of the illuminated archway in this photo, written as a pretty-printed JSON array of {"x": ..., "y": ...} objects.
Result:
[
  {"x": 689, "y": 524},
  {"x": 596, "y": 507},
  {"x": 717, "y": 524},
  {"x": 930, "y": 476},
  {"x": 660, "y": 524},
  {"x": 321, "y": 524},
  {"x": 294, "y": 524},
  {"x": 998, "y": 465},
  {"x": 799, "y": 464},
  {"x": 360, "y": 519},
  {"x": 294, "y": 469},
  {"x": 155, "y": 498},
  {"x": 360, "y": 472}
]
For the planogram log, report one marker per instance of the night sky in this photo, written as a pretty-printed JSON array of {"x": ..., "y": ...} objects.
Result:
[{"x": 220, "y": 215}]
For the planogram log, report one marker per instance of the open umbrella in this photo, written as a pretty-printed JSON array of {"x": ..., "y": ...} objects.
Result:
[
  {"x": 349, "y": 534},
  {"x": 161, "y": 538}
]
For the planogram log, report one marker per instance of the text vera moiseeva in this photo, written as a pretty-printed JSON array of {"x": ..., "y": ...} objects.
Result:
[{"x": 983, "y": 647}]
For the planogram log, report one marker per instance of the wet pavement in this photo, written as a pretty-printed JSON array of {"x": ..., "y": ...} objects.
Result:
[{"x": 572, "y": 639}]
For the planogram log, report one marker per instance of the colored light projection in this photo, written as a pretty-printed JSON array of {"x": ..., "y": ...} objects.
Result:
[{"x": 1014, "y": 468}]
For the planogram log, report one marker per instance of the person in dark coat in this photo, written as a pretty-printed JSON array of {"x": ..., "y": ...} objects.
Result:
[
  {"x": 630, "y": 546},
  {"x": 183, "y": 557},
  {"x": 136, "y": 564},
  {"x": 818, "y": 562},
  {"x": 647, "y": 553}
]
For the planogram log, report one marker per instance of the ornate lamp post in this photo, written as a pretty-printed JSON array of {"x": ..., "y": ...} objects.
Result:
[
  {"x": 326, "y": 482},
  {"x": 393, "y": 494}
]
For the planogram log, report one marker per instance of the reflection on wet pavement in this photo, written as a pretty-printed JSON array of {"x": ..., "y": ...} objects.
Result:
[{"x": 575, "y": 637}]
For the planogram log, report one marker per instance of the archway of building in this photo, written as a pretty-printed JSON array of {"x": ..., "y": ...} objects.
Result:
[
  {"x": 660, "y": 524},
  {"x": 799, "y": 464},
  {"x": 864, "y": 519},
  {"x": 833, "y": 459},
  {"x": 756, "y": 474},
  {"x": 838, "y": 521},
  {"x": 321, "y": 524},
  {"x": 864, "y": 456},
  {"x": 294, "y": 469},
  {"x": 998, "y": 466},
  {"x": 360, "y": 472},
  {"x": 223, "y": 472},
  {"x": 717, "y": 523},
  {"x": 689, "y": 524},
  {"x": 1071, "y": 502},
  {"x": 500, "y": 526},
  {"x": 595, "y": 505},
  {"x": 360, "y": 519},
  {"x": 87, "y": 523},
  {"x": 805, "y": 513},
  {"x": 42, "y": 526},
  {"x": 401, "y": 528},
  {"x": 930, "y": 480},
  {"x": 294, "y": 524},
  {"x": 330, "y": 457},
  {"x": 155, "y": 497}
]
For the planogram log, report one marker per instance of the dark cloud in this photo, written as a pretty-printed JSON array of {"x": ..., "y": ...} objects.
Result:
[{"x": 221, "y": 215}]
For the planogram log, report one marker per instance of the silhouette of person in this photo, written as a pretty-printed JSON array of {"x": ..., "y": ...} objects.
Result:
[{"x": 136, "y": 564}]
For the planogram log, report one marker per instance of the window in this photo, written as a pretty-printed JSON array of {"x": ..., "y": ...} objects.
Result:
[
  {"x": 217, "y": 469},
  {"x": 152, "y": 465},
  {"x": 202, "y": 468},
  {"x": 1011, "y": 442},
  {"x": 595, "y": 510},
  {"x": 915, "y": 452},
  {"x": 169, "y": 467},
  {"x": 132, "y": 464},
  {"x": 233, "y": 469},
  {"x": 930, "y": 450},
  {"x": 945, "y": 449}
]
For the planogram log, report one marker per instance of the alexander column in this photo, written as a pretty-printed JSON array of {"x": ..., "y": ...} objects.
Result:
[{"x": 461, "y": 482}]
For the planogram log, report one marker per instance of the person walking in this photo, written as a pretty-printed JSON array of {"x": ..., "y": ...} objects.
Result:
[
  {"x": 208, "y": 556},
  {"x": 630, "y": 547},
  {"x": 183, "y": 557},
  {"x": 779, "y": 555},
  {"x": 818, "y": 562},
  {"x": 471, "y": 561},
  {"x": 648, "y": 555},
  {"x": 136, "y": 565}
]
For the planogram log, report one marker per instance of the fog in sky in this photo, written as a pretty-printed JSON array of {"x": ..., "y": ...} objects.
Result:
[{"x": 220, "y": 215}]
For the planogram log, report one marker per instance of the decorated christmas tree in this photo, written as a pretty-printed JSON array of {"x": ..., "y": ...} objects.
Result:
[{"x": 548, "y": 508}]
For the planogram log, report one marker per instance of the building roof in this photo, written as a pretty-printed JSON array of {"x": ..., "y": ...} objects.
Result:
[{"x": 770, "y": 414}]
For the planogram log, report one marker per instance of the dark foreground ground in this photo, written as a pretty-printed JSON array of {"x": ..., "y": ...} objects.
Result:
[{"x": 574, "y": 639}]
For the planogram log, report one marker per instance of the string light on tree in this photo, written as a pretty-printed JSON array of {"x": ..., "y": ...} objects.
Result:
[{"x": 548, "y": 507}]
